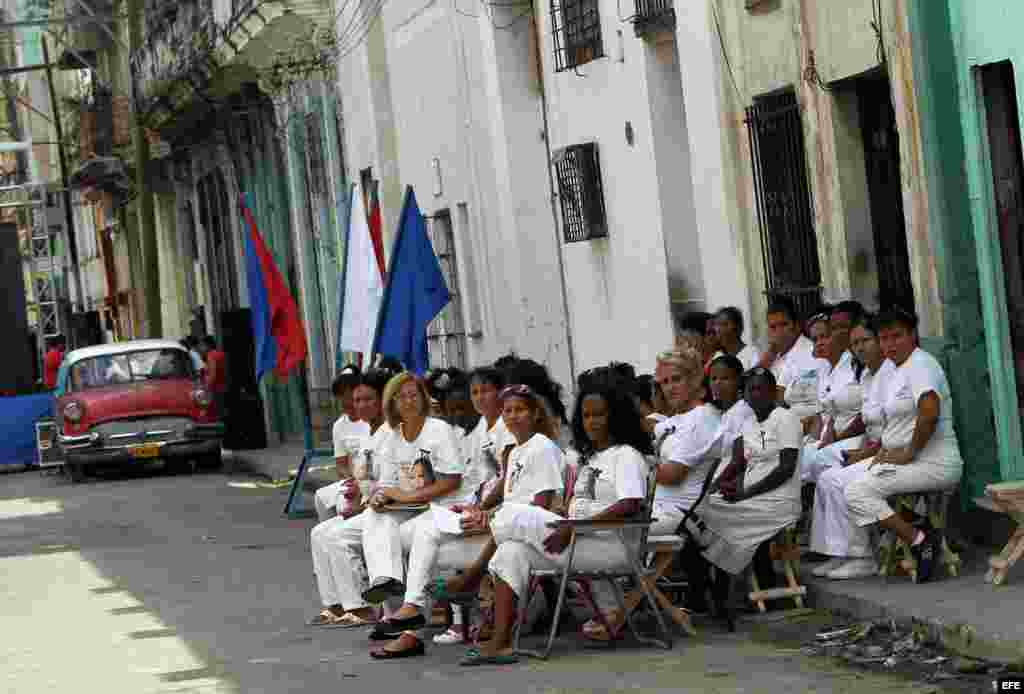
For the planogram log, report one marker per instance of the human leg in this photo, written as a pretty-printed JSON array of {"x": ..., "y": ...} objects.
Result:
[{"x": 382, "y": 546}]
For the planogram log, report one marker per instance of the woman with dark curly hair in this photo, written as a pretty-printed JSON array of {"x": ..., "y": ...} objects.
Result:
[{"x": 608, "y": 434}]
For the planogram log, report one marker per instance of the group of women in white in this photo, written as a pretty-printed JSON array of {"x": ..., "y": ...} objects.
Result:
[{"x": 720, "y": 433}]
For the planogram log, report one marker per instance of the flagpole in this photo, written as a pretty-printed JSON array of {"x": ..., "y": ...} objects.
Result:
[
  {"x": 339, "y": 359},
  {"x": 390, "y": 274}
]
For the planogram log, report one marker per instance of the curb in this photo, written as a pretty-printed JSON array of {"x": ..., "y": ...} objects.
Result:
[
  {"x": 243, "y": 462},
  {"x": 964, "y": 639}
]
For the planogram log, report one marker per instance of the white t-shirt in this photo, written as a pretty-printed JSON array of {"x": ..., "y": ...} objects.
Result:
[
  {"x": 436, "y": 441},
  {"x": 348, "y": 435},
  {"x": 481, "y": 449},
  {"x": 729, "y": 429},
  {"x": 873, "y": 386},
  {"x": 533, "y": 467},
  {"x": 841, "y": 394},
  {"x": 762, "y": 443},
  {"x": 689, "y": 445},
  {"x": 617, "y": 473},
  {"x": 919, "y": 374},
  {"x": 798, "y": 372}
]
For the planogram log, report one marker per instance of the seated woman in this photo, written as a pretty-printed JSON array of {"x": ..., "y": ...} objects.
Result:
[
  {"x": 758, "y": 493},
  {"x": 533, "y": 476},
  {"x": 375, "y": 534},
  {"x": 346, "y": 434},
  {"x": 919, "y": 450},
  {"x": 839, "y": 426},
  {"x": 611, "y": 440},
  {"x": 832, "y": 534},
  {"x": 728, "y": 328},
  {"x": 353, "y": 466}
]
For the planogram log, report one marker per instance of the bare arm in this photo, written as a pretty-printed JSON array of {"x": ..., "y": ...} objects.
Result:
[
  {"x": 671, "y": 474},
  {"x": 856, "y": 428},
  {"x": 623, "y": 509},
  {"x": 445, "y": 484},
  {"x": 774, "y": 479}
]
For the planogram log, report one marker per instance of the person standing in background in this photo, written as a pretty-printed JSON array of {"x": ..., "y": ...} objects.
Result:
[
  {"x": 216, "y": 374},
  {"x": 52, "y": 360}
]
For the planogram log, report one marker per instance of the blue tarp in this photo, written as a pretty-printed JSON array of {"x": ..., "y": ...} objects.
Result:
[{"x": 18, "y": 417}]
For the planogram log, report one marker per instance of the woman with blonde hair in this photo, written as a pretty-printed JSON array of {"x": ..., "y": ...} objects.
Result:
[{"x": 375, "y": 534}]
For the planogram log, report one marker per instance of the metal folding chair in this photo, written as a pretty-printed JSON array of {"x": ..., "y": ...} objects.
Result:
[{"x": 633, "y": 569}]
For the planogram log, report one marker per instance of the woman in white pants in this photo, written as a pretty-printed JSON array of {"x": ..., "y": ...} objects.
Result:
[
  {"x": 356, "y": 471},
  {"x": 919, "y": 450},
  {"x": 840, "y": 395},
  {"x": 533, "y": 476},
  {"x": 346, "y": 432},
  {"x": 611, "y": 440},
  {"x": 375, "y": 534},
  {"x": 832, "y": 533}
]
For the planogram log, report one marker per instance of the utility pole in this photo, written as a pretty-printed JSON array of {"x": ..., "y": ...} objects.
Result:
[
  {"x": 146, "y": 213},
  {"x": 69, "y": 217}
]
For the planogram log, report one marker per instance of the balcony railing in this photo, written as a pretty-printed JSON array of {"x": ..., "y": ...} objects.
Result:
[{"x": 654, "y": 15}]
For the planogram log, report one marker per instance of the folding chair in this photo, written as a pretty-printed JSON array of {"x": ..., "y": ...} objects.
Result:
[
  {"x": 785, "y": 549},
  {"x": 633, "y": 570}
]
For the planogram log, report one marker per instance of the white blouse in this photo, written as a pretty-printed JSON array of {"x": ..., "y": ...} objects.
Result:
[
  {"x": 534, "y": 467},
  {"x": 919, "y": 374},
  {"x": 690, "y": 445},
  {"x": 764, "y": 441},
  {"x": 841, "y": 394}
]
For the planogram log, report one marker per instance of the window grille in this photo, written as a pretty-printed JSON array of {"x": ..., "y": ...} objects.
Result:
[
  {"x": 446, "y": 334},
  {"x": 784, "y": 206},
  {"x": 315, "y": 154},
  {"x": 576, "y": 28},
  {"x": 578, "y": 171},
  {"x": 653, "y": 15}
]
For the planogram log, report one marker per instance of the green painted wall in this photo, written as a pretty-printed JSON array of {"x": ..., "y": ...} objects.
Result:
[{"x": 964, "y": 350}]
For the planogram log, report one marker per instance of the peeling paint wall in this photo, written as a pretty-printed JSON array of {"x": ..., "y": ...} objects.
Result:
[{"x": 811, "y": 45}]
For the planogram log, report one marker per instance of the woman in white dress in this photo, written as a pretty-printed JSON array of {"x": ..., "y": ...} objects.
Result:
[
  {"x": 832, "y": 533},
  {"x": 533, "y": 476},
  {"x": 728, "y": 327},
  {"x": 347, "y": 428},
  {"x": 919, "y": 450},
  {"x": 611, "y": 441},
  {"x": 356, "y": 469},
  {"x": 839, "y": 425},
  {"x": 758, "y": 493}
]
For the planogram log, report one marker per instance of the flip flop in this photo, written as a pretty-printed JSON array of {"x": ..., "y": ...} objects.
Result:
[
  {"x": 324, "y": 618},
  {"x": 349, "y": 621},
  {"x": 480, "y": 659}
]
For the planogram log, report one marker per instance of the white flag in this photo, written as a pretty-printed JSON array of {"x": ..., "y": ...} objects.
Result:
[{"x": 364, "y": 287}]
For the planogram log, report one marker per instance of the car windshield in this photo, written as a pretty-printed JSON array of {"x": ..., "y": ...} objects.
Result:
[{"x": 132, "y": 367}]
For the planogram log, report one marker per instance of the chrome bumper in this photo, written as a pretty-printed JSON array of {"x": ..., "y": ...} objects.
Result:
[{"x": 71, "y": 443}]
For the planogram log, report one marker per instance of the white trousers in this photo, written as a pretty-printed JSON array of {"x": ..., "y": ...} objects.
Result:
[
  {"x": 867, "y": 494},
  {"x": 814, "y": 461},
  {"x": 430, "y": 551},
  {"x": 337, "y": 547},
  {"x": 341, "y": 547},
  {"x": 326, "y": 500},
  {"x": 832, "y": 529},
  {"x": 520, "y": 531}
]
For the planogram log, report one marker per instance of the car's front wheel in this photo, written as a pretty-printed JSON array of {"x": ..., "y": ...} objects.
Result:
[
  {"x": 76, "y": 472},
  {"x": 211, "y": 461}
]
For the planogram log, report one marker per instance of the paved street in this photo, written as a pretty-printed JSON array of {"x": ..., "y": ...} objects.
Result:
[{"x": 188, "y": 584}]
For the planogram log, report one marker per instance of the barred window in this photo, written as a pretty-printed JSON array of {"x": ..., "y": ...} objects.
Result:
[
  {"x": 576, "y": 28},
  {"x": 446, "y": 335},
  {"x": 578, "y": 171}
]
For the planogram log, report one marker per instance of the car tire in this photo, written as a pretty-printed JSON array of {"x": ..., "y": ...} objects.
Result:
[
  {"x": 76, "y": 473},
  {"x": 180, "y": 466},
  {"x": 211, "y": 461}
]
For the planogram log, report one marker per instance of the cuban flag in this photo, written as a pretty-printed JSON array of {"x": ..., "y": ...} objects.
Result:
[{"x": 277, "y": 330}]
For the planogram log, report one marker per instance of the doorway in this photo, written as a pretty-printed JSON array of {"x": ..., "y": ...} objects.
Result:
[
  {"x": 885, "y": 192},
  {"x": 1003, "y": 125}
]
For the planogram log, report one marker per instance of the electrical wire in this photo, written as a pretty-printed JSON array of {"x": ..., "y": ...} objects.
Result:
[{"x": 725, "y": 54}]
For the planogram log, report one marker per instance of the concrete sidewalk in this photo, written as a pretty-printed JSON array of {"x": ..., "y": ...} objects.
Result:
[
  {"x": 966, "y": 614},
  {"x": 280, "y": 463}
]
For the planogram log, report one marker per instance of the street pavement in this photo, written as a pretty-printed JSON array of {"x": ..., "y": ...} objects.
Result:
[{"x": 158, "y": 583}]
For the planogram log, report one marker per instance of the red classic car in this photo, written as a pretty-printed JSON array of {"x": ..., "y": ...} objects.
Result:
[{"x": 134, "y": 401}]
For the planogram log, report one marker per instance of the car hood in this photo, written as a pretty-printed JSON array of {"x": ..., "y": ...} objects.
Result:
[{"x": 172, "y": 397}]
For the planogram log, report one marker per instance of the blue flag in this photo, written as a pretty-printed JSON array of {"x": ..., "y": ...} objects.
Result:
[{"x": 414, "y": 294}]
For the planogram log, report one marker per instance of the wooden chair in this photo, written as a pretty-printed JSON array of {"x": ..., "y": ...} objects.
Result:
[
  {"x": 1008, "y": 498},
  {"x": 784, "y": 548},
  {"x": 894, "y": 555}
]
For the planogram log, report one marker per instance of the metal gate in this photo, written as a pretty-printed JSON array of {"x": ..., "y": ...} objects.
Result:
[{"x": 783, "y": 195}]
